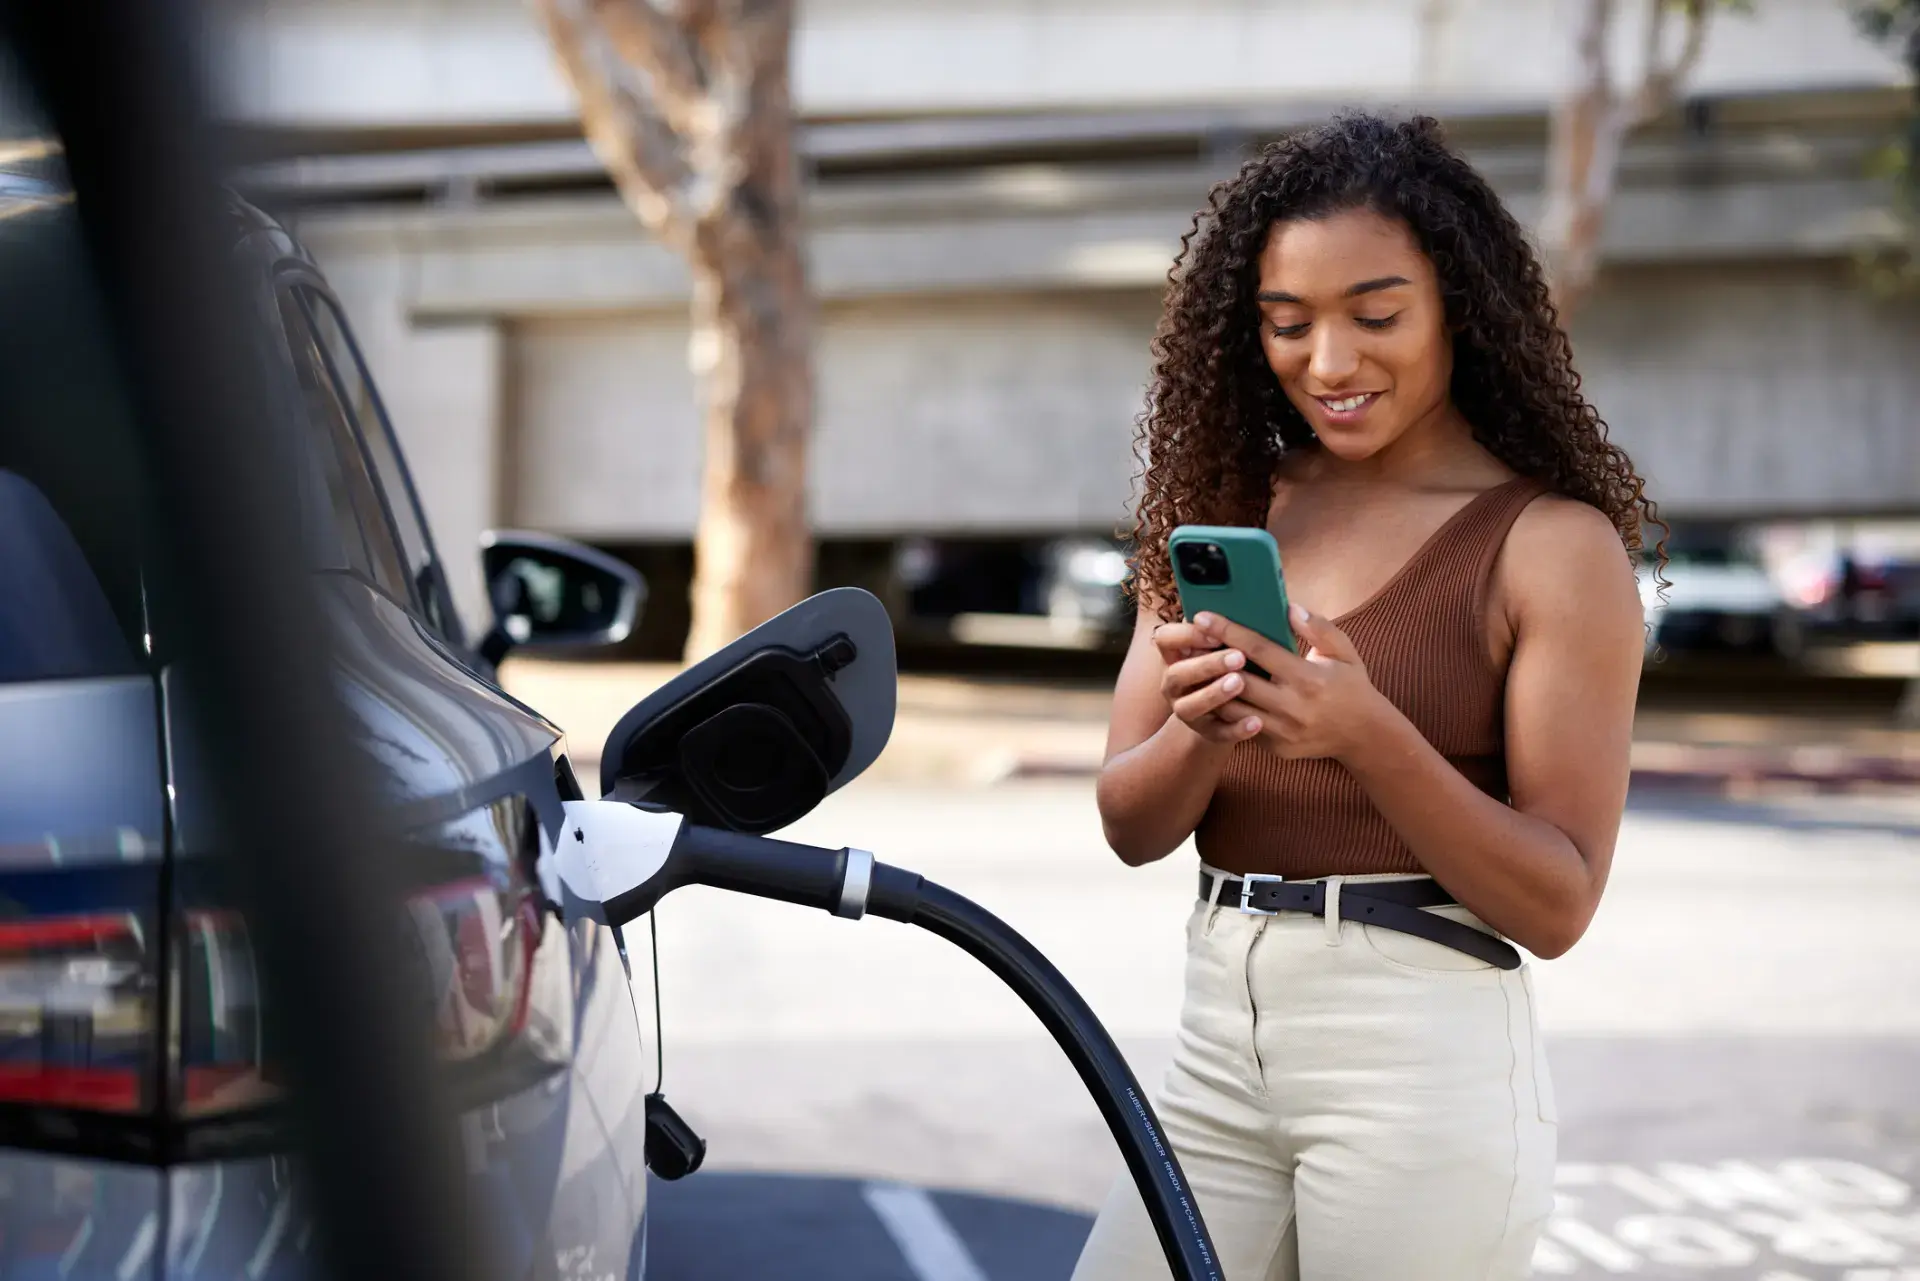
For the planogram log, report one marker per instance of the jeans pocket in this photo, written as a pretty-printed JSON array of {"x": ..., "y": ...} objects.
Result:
[
  {"x": 1420, "y": 955},
  {"x": 1206, "y": 967}
]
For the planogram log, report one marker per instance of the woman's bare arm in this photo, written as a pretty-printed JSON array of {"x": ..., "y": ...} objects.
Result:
[
  {"x": 1534, "y": 869},
  {"x": 1161, "y": 769}
]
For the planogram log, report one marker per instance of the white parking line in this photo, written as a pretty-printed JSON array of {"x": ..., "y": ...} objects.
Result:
[
  {"x": 141, "y": 1251},
  {"x": 933, "y": 1250}
]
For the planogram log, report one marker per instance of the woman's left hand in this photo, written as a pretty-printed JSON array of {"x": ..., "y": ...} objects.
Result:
[{"x": 1321, "y": 704}]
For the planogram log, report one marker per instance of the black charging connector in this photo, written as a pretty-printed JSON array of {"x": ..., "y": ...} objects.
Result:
[{"x": 673, "y": 1150}]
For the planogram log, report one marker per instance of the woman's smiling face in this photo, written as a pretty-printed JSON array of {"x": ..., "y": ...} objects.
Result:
[{"x": 1353, "y": 326}]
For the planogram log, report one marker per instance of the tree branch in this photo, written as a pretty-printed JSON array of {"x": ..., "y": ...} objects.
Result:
[
  {"x": 701, "y": 19},
  {"x": 1653, "y": 39},
  {"x": 1660, "y": 85},
  {"x": 1603, "y": 166},
  {"x": 663, "y": 47},
  {"x": 744, "y": 44},
  {"x": 1590, "y": 47},
  {"x": 627, "y": 132},
  {"x": 741, "y": 47}
]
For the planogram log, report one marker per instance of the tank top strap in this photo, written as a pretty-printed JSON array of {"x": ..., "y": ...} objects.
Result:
[
  {"x": 1456, "y": 563},
  {"x": 1501, "y": 506}
]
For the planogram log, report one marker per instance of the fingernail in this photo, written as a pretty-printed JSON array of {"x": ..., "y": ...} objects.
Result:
[
  {"x": 1231, "y": 684},
  {"x": 1203, "y": 621},
  {"x": 1234, "y": 659},
  {"x": 1251, "y": 725},
  {"x": 1299, "y": 614}
]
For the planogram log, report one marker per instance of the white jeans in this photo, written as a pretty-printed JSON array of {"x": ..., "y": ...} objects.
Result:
[{"x": 1348, "y": 1102}]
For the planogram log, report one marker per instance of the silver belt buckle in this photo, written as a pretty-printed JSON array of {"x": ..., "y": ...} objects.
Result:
[{"x": 1247, "y": 883}]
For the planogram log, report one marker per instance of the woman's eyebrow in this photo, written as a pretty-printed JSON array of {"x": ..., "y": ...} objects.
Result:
[
  {"x": 1373, "y": 286},
  {"x": 1353, "y": 291}
]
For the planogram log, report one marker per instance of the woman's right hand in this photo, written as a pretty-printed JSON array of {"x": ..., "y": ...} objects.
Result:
[
  {"x": 1167, "y": 743},
  {"x": 1201, "y": 682}
]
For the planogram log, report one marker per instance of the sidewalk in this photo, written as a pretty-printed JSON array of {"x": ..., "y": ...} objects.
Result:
[
  {"x": 1738, "y": 752},
  {"x": 947, "y": 729},
  {"x": 970, "y": 731}
]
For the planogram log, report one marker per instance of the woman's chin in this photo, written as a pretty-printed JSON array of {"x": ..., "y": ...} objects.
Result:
[{"x": 1352, "y": 444}]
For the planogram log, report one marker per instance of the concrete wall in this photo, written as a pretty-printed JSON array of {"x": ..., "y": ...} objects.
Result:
[
  {"x": 421, "y": 64},
  {"x": 987, "y": 413},
  {"x": 1739, "y": 390},
  {"x": 605, "y": 435},
  {"x": 1748, "y": 389}
]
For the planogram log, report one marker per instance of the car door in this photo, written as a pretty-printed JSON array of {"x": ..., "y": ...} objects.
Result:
[
  {"x": 532, "y": 1011},
  {"x": 597, "y": 1223}
]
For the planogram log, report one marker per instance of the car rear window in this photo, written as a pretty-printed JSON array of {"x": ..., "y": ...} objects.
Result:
[
  {"x": 70, "y": 487},
  {"x": 54, "y": 617}
]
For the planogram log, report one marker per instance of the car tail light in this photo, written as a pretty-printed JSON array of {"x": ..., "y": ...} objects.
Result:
[
  {"x": 1808, "y": 584},
  {"x": 476, "y": 943},
  {"x": 473, "y": 941},
  {"x": 224, "y": 1061},
  {"x": 76, "y": 1010},
  {"x": 84, "y": 1026}
]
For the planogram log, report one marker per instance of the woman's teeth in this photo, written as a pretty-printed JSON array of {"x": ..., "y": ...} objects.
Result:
[{"x": 1351, "y": 402}]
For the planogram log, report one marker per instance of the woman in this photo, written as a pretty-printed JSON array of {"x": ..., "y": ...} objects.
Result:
[{"x": 1358, "y": 352}]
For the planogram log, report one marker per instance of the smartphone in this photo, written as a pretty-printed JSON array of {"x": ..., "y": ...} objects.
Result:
[{"x": 1234, "y": 572}]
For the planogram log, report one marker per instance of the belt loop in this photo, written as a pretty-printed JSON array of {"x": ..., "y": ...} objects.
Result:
[
  {"x": 1333, "y": 910},
  {"x": 1217, "y": 881}
]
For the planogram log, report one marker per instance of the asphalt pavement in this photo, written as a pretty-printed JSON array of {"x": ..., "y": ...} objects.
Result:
[{"x": 1736, "y": 1046}]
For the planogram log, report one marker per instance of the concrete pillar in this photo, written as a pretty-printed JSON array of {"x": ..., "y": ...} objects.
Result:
[{"x": 446, "y": 398}]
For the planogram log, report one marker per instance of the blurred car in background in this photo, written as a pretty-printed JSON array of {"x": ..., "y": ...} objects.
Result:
[
  {"x": 1083, "y": 580},
  {"x": 1059, "y": 593},
  {"x": 1843, "y": 594},
  {"x": 1716, "y": 599}
]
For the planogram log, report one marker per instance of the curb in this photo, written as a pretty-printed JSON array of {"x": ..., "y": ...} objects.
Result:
[
  {"x": 1858, "y": 774},
  {"x": 1898, "y": 778}
]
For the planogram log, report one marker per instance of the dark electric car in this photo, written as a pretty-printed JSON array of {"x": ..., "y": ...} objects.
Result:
[{"x": 138, "y": 1067}]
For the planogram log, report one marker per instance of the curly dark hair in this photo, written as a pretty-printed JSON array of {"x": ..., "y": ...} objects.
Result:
[{"x": 1216, "y": 422}]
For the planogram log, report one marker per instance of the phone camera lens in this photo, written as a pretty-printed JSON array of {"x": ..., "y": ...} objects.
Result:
[{"x": 1203, "y": 564}]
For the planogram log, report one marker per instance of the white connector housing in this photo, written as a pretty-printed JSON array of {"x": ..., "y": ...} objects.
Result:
[{"x": 610, "y": 847}]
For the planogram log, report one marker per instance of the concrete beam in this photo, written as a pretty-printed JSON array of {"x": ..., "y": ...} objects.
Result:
[
  {"x": 384, "y": 64},
  {"x": 586, "y": 255},
  {"x": 1752, "y": 151}
]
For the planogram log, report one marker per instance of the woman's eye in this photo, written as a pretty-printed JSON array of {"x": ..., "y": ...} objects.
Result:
[
  {"x": 1288, "y": 331},
  {"x": 1383, "y": 322}
]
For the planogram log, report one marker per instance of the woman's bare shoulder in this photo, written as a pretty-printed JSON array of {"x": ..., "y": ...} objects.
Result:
[
  {"x": 1564, "y": 558},
  {"x": 1566, "y": 526}
]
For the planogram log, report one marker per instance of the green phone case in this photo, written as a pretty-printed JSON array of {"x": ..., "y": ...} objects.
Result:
[{"x": 1254, "y": 595}]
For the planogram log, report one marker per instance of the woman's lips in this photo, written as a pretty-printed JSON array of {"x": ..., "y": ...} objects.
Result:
[{"x": 1347, "y": 410}]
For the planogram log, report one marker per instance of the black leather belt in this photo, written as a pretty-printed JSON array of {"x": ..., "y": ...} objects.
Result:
[{"x": 1391, "y": 905}]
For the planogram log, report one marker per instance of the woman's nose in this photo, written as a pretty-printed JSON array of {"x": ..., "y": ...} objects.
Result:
[{"x": 1334, "y": 358}]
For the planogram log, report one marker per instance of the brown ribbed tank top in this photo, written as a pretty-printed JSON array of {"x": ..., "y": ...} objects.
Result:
[{"x": 1423, "y": 639}]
